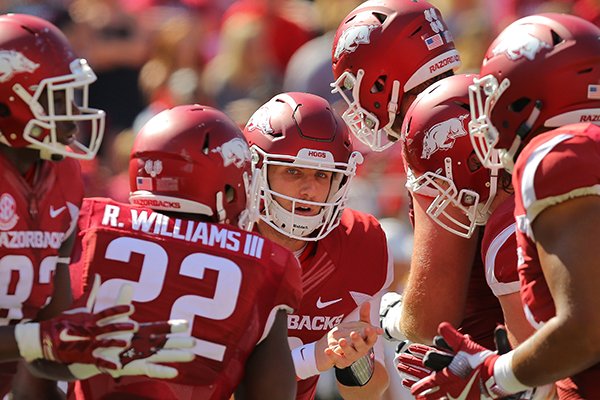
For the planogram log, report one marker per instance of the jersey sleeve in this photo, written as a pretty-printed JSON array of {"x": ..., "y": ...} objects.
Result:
[
  {"x": 499, "y": 250},
  {"x": 549, "y": 171},
  {"x": 501, "y": 263}
]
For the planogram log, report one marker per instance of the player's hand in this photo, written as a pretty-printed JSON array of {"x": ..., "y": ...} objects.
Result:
[
  {"x": 152, "y": 345},
  {"x": 389, "y": 316},
  {"x": 349, "y": 341},
  {"x": 470, "y": 374},
  {"x": 409, "y": 361},
  {"x": 77, "y": 335}
]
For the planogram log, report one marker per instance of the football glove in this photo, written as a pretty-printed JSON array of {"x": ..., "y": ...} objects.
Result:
[
  {"x": 150, "y": 346},
  {"x": 470, "y": 374},
  {"x": 77, "y": 334},
  {"x": 389, "y": 316}
]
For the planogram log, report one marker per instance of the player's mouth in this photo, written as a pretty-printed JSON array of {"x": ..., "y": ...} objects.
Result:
[{"x": 306, "y": 210}]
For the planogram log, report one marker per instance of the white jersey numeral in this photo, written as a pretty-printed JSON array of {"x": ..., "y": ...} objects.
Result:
[{"x": 152, "y": 279}]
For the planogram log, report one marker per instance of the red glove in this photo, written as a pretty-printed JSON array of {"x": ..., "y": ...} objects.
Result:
[
  {"x": 154, "y": 344},
  {"x": 470, "y": 375},
  {"x": 77, "y": 335},
  {"x": 410, "y": 365}
]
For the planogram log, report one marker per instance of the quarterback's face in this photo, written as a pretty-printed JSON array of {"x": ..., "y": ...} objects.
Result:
[{"x": 301, "y": 183}]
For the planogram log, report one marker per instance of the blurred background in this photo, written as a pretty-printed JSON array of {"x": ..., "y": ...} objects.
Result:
[{"x": 235, "y": 55}]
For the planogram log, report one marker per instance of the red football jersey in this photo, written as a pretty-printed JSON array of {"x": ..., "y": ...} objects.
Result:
[
  {"x": 228, "y": 283},
  {"x": 499, "y": 250},
  {"x": 339, "y": 272},
  {"x": 35, "y": 220},
  {"x": 34, "y": 223},
  {"x": 553, "y": 168},
  {"x": 482, "y": 309}
]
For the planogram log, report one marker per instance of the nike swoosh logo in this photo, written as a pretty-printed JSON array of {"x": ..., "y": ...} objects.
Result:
[
  {"x": 323, "y": 304},
  {"x": 65, "y": 336},
  {"x": 466, "y": 390},
  {"x": 55, "y": 213}
]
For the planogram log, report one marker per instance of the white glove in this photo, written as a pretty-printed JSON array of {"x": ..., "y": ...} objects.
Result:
[
  {"x": 150, "y": 346},
  {"x": 390, "y": 312}
]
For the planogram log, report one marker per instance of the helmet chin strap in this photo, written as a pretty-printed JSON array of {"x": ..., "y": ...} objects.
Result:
[
  {"x": 221, "y": 213},
  {"x": 507, "y": 157}
]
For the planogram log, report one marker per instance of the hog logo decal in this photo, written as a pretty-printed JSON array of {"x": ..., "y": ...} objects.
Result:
[
  {"x": 13, "y": 62},
  {"x": 260, "y": 120},
  {"x": 352, "y": 37},
  {"x": 235, "y": 152},
  {"x": 442, "y": 136},
  {"x": 519, "y": 43}
]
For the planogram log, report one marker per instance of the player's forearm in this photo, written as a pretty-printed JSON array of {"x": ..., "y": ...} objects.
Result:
[
  {"x": 372, "y": 390},
  {"x": 9, "y": 350},
  {"x": 25, "y": 386},
  {"x": 50, "y": 370},
  {"x": 559, "y": 349},
  {"x": 420, "y": 319}
]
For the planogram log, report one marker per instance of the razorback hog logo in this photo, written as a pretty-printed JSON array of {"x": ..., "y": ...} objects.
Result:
[
  {"x": 12, "y": 62},
  {"x": 234, "y": 152},
  {"x": 261, "y": 120},
  {"x": 352, "y": 37},
  {"x": 519, "y": 43},
  {"x": 443, "y": 135}
]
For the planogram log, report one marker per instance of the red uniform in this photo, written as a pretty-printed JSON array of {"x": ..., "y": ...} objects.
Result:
[
  {"x": 36, "y": 217},
  {"x": 553, "y": 167},
  {"x": 499, "y": 250},
  {"x": 482, "y": 310},
  {"x": 228, "y": 283},
  {"x": 339, "y": 272}
]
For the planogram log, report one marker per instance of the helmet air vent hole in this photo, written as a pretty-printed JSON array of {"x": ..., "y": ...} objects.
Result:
[
  {"x": 229, "y": 194},
  {"x": 519, "y": 104},
  {"x": 205, "y": 146},
  {"x": 556, "y": 38},
  {"x": 4, "y": 110},
  {"x": 379, "y": 84},
  {"x": 380, "y": 17}
]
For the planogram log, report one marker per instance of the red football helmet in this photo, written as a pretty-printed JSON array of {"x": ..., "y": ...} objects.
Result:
[
  {"x": 381, "y": 50},
  {"x": 440, "y": 160},
  {"x": 300, "y": 129},
  {"x": 541, "y": 71},
  {"x": 43, "y": 85},
  {"x": 191, "y": 159}
]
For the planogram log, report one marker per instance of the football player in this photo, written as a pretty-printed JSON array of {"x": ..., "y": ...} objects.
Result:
[
  {"x": 43, "y": 102},
  {"x": 384, "y": 54},
  {"x": 179, "y": 246},
  {"x": 536, "y": 102},
  {"x": 465, "y": 199},
  {"x": 305, "y": 162}
]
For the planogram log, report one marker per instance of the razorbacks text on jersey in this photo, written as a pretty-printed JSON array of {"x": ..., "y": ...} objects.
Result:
[
  {"x": 35, "y": 219},
  {"x": 339, "y": 272},
  {"x": 228, "y": 283},
  {"x": 554, "y": 167}
]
